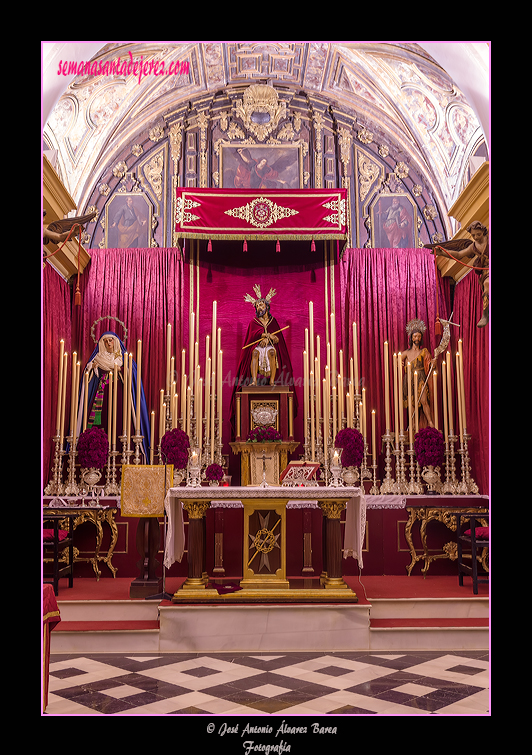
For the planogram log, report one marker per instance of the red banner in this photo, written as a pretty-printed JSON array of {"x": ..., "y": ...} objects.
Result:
[{"x": 243, "y": 214}]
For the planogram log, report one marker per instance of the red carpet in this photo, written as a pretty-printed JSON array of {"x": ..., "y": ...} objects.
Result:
[{"x": 372, "y": 587}]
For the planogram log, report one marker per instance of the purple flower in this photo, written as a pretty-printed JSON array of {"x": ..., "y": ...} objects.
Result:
[
  {"x": 429, "y": 447},
  {"x": 92, "y": 448},
  {"x": 352, "y": 443},
  {"x": 264, "y": 435},
  {"x": 174, "y": 448},
  {"x": 214, "y": 472}
]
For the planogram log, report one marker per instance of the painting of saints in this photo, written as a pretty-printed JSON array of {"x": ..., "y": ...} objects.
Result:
[{"x": 261, "y": 168}]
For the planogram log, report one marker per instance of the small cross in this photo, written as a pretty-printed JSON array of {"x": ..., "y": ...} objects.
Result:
[{"x": 265, "y": 458}]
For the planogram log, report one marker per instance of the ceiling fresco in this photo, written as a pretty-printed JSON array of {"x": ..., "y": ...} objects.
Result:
[{"x": 395, "y": 92}]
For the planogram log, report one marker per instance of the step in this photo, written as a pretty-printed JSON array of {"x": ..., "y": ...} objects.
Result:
[
  {"x": 449, "y": 633},
  {"x": 105, "y": 637},
  {"x": 108, "y": 610},
  {"x": 426, "y": 608}
]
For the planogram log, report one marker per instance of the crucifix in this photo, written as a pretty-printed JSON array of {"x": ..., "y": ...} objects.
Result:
[{"x": 265, "y": 458}]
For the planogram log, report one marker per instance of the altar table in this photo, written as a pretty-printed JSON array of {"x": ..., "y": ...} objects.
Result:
[{"x": 265, "y": 537}]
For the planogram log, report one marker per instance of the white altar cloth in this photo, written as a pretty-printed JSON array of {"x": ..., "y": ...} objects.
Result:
[{"x": 307, "y": 497}]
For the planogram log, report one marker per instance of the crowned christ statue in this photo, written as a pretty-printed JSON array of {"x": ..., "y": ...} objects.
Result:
[
  {"x": 420, "y": 360},
  {"x": 264, "y": 358}
]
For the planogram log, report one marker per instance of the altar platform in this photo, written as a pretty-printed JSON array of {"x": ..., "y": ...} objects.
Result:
[{"x": 392, "y": 613}]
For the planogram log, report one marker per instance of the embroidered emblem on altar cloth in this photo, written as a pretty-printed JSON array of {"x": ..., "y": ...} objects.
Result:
[{"x": 261, "y": 212}]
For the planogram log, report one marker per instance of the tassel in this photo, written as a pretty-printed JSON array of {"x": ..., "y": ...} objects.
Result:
[
  {"x": 77, "y": 297},
  {"x": 278, "y": 246},
  {"x": 438, "y": 328},
  {"x": 209, "y": 246},
  {"x": 245, "y": 247},
  {"x": 313, "y": 246}
]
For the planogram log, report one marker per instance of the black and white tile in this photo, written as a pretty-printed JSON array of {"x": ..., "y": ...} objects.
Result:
[{"x": 266, "y": 684}]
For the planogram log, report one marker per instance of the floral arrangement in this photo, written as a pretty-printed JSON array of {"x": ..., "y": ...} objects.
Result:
[
  {"x": 264, "y": 435},
  {"x": 93, "y": 448},
  {"x": 174, "y": 448},
  {"x": 214, "y": 472},
  {"x": 429, "y": 447},
  {"x": 352, "y": 443}
]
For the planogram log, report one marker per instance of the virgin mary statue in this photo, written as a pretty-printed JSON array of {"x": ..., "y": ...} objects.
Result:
[{"x": 108, "y": 354}]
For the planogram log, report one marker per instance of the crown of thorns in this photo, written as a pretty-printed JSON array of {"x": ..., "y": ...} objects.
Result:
[{"x": 269, "y": 296}]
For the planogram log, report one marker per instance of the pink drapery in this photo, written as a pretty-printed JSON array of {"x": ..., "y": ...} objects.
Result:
[
  {"x": 476, "y": 349},
  {"x": 55, "y": 307},
  {"x": 381, "y": 290},
  {"x": 143, "y": 289}
]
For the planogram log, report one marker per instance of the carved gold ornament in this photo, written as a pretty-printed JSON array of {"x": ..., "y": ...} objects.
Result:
[
  {"x": 260, "y": 110},
  {"x": 261, "y": 212}
]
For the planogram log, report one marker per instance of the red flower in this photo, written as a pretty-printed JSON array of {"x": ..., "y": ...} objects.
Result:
[
  {"x": 92, "y": 448},
  {"x": 352, "y": 443}
]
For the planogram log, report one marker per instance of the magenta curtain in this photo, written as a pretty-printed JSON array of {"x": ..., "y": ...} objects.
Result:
[
  {"x": 381, "y": 290},
  {"x": 143, "y": 289},
  {"x": 55, "y": 294},
  {"x": 476, "y": 350}
]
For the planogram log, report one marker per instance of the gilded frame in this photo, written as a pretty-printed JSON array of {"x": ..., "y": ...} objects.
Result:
[
  {"x": 144, "y": 210},
  {"x": 394, "y": 221},
  {"x": 285, "y": 160}
]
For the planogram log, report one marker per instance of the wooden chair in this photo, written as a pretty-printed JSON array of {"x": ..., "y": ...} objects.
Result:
[
  {"x": 55, "y": 541},
  {"x": 474, "y": 534}
]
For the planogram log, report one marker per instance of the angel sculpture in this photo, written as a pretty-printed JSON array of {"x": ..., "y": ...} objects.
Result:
[
  {"x": 477, "y": 252},
  {"x": 58, "y": 231}
]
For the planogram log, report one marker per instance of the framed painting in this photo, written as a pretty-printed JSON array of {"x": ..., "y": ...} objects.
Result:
[
  {"x": 265, "y": 167},
  {"x": 128, "y": 221},
  {"x": 394, "y": 222}
]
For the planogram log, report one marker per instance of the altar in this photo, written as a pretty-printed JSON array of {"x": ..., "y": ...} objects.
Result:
[{"x": 265, "y": 546}]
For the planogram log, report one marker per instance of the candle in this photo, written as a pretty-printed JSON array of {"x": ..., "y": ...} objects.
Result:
[
  {"x": 311, "y": 333},
  {"x": 449, "y": 395},
  {"x": 168, "y": 353},
  {"x": 162, "y": 414},
  {"x": 400, "y": 392},
  {"x": 213, "y": 339},
  {"x": 373, "y": 436},
  {"x": 139, "y": 382},
  {"x": 125, "y": 394},
  {"x": 435, "y": 398},
  {"x": 444, "y": 397},
  {"x": 59, "y": 385},
  {"x": 73, "y": 392},
  {"x": 409, "y": 382},
  {"x": 213, "y": 405},
  {"x": 335, "y": 412},
  {"x": 188, "y": 410},
  {"x": 462, "y": 385},
  {"x": 305, "y": 393},
  {"x": 110, "y": 412},
  {"x": 219, "y": 372},
  {"x": 355, "y": 355},
  {"x": 208, "y": 372},
  {"x": 459, "y": 399},
  {"x": 341, "y": 413},
  {"x": 312, "y": 428},
  {"x": 325, "y": 418},
  {"x": 395, "y": 401},
  {"x": 85, "y": 398},
  {"x": 333, "y": 349},
  {"x": 173, "y": 413},
  {"x": 63, "y": 400},
  {"x": 386, "y": 387},
  {"x": 152, "y": 434},
  {"x": 191, "y": 347},
  {"x": 129, "y": 399},
  {"x": 363, "y": 404},
  {"x": 183, "y": 384},
  {"x": 115, "y": 401},
  {"x": 317, "y": 379},
  {"x": 199, "y": 420},
  {"x": 76, "y": 393},
  {"x": 416, "y": 399}
]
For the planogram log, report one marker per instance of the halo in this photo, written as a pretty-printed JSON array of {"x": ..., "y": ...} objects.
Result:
[
  {"x": 415, "y": 326},
  {"x": 108, "y": 317}
]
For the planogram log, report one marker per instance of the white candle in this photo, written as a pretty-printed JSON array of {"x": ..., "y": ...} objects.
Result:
[
  {"x": 364, "y": 432},
  {"x": 386, "y": 387},
  {"x": 110, "y": 411},
  {"x": 85, "y": 398},
  {"x": 355, "y": 355},
  {"x": 435, "y": 398},
  {"x": 459, "y": 399},
  {"x": 400, "y": 392},
  {"x": 76, "y": 391},
  {"x": 444, "y": 397},
  {"x": 63, "y": 400},
  {"x": 139, "y": 383},
  {"x": 59, "y": 385},
  {"x": 311, "y": 333},
  {"x": 373, "y": 436},
  {"x": 220, "y": 381},
  {"x": 305, "y": 394},
  {"x": 73, "y": 401},
  {"x": 129, "y": 398},
  {"x": 152, "y": 433},
  {"x": 462, "y": 384},
  {"x": 325, "y": 418},
  {"x": 115, "y": 402},
  {"x": 125, "y": 394},
  {"x": 168, "y": 354},
  {"x": 312, "y": 428},
  {"x": 199, "y": 415},
  {"x": 395, "y": 401},
  {"x": 162, "y": 414},
  {"x": 191, "y": 348},
  {"x": 409, "y": 381},
  {"x": 213, "y": 345},
  {"x": 416, "y": 413},
  {"x": 450, "y": 395}
]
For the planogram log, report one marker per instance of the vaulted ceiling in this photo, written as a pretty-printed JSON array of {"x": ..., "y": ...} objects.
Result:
[{"x": 431, "y": 98}]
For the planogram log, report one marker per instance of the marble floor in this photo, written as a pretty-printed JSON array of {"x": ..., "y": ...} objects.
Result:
[{"x": 235, "y": 688}]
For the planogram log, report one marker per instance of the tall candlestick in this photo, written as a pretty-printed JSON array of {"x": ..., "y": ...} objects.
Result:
[
  {"x": 363, "y": 403},
  {"x": 162, "y": 415},
  {"x": 85, "y": 398},
  {"x": 214, "y": 348},
  {"x": 199, "y": 415},
  {"x": 220, "y": 382},
  {"x": 129, "y": 399},
  {"x": 183, "y": 383},
  {"x": 305, "y": 393},
  {"x": 115, "y": 401},
  {"x": 312, "y": 428},
  {"x": 416, "y": 413},
  {"x": 333, "y": 350},
  {"x": 386, "y": 387},
  {"x": 168, "y": 355},
  {"x": 325, "y": 419},
  {"x": 400, "y": 392},
  {"x": 125, "y": 393},
  {"x": 459, "y": 398},
  {"x": 311, "y": 333},
  {"x": 72, "y": 392},
  {"x": 59, "y": 385},
  {"x": 63, "y": 400},
  {"x": 191, "y": 348},
  {"x": 409, "y": 381},
  {"x": 189, "y": 392},
  {"x": 76, "y": 393}
]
